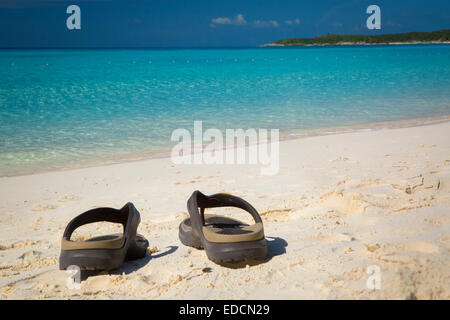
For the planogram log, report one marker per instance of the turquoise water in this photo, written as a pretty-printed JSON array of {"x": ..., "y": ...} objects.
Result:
[{"x": 62, "y": 107}]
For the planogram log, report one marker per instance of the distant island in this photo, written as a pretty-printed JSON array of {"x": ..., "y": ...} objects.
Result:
[{"x": 441, "y": 36}]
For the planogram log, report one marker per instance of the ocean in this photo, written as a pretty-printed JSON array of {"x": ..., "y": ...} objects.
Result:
[{"x": 70, "y": 108}]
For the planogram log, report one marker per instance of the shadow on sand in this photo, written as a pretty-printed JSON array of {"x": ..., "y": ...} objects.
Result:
[
  {"x": 275, "y": 246},
  {"x": 129, "y": 266}
]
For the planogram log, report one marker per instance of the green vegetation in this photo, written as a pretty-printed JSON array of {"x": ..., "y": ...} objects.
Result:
[{"x": 330, "y": 39}]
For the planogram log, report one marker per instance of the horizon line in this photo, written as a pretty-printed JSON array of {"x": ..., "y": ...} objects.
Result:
[{"x": 200, "y": 47}]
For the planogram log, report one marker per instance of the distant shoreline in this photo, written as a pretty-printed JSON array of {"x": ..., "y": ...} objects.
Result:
[
  {"x": 273, "y": 44},
  {"x": 434, "y": 37}
]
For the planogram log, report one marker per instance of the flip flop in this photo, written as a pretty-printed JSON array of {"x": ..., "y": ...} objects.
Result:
[
  {"x": 224, "y": 239},
  {"x": 104, "y": 252}
]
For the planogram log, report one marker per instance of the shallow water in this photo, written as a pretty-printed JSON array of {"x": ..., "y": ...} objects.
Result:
[{"x": 63, "y": 107}]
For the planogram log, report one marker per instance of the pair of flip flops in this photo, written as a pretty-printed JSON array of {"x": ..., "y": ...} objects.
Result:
[{"x": 224, "y": 239}]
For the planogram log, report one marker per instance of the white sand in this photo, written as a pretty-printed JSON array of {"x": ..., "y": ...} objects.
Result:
[{"x": 340, "y": 204}]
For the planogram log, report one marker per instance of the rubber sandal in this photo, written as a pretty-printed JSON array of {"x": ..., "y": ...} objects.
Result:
[
  {"x": 224, "y": 239},
  {"x": 104, "y": 252}
]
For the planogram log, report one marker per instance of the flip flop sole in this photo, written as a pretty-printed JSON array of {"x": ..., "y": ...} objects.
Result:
[
  {"x": 91, "y": 259},
  {"x": 138, "y": 249},
  {"x": 225, "y": 252},
  {"x": 237, "y": 251},
  {"x": 103, "y": 259}
]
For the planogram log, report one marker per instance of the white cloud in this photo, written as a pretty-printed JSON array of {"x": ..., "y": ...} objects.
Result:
[
  {"x": 239, "y": 20},
  {"x": 291, "y": 22},
  {"x": 221, "y": 21},
  {"x": 266, "y": 23}
]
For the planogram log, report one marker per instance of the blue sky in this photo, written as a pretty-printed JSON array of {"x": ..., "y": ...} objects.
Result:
[{"x": 203, "y": 23}]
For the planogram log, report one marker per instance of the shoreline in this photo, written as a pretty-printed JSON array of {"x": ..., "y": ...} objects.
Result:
[
  {"x": 284, "y": 136},
  {"x": 352, "y": 44}
]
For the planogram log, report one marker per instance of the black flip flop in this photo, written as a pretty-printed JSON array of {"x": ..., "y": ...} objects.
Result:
[
  {"x": 104, "y": 252},
  {"x": 224, "y": 239}
]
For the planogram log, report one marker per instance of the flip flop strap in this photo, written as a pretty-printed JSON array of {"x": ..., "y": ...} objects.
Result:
[
  {"x": 122, "y": 216},
  {"x": 199, "y": 200}
]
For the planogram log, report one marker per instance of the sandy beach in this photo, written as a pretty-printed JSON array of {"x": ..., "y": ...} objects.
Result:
[{"x": 340, "y": 204}]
